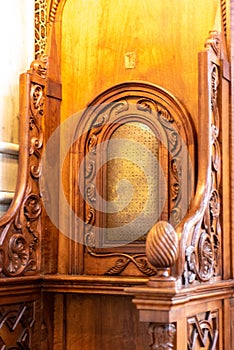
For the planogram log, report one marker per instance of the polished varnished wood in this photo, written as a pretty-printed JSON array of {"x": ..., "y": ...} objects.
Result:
[{"x": 63, "y": 295}]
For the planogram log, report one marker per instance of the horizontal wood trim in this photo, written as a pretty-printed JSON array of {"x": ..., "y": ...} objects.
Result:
[{"x": 89, "y": 284}]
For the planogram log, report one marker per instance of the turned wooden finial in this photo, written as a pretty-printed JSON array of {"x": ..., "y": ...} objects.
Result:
[{"x": 162, "y": 247}]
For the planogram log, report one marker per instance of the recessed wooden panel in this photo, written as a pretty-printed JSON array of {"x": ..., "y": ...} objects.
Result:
[
  {"x": 103, "y": 322},
  {"x": 106, "y": 42}
]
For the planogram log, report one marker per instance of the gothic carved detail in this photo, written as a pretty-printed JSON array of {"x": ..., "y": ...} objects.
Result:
[
  {"x": 162, "y": 336},
  {"x": 16, "y": 321},
  {"x": 98, "y": 126},
  {"x": 203, "y": 330},
  {"x": 20, "y": 228},
  {"x": 40, "y": 27},
  {"x": 202, "y": 260}
]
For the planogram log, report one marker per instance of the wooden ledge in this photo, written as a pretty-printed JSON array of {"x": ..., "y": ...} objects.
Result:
[{"x": 90, "y": 284}]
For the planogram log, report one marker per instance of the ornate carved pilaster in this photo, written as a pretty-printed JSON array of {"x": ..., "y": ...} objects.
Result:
[
  {"x": 203, "y": 253},
  {"x": 20, "y": 226}
]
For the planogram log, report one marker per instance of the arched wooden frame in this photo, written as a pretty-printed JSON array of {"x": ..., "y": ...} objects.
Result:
[{"x": 170, "y": 122}]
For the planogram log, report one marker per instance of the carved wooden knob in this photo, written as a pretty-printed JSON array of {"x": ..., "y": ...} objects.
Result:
[{"x": 162, "y": 246}]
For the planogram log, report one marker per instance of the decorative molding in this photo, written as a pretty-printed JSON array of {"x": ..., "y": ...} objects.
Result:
[
  {"x": 40, "y": 31},
  {"x": 16, "y": 322},
  {"x": 162, "y": 336},
  {"x": 53, "y": 11},
  {"x": 224, "y": 16},
  {"x": 203, "y": 330}
]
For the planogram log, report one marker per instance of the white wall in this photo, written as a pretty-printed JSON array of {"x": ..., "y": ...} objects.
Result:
[{"x": 17, "y": 52}]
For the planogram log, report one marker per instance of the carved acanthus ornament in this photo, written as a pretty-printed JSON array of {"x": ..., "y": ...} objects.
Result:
[{"x": 20, "y": 228}]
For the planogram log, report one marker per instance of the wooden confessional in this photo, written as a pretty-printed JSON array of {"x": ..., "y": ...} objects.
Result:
[{"x": 120, "y": 232}]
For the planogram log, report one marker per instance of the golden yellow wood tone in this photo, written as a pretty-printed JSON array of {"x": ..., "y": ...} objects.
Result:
[
  {"x": 146, "y": 53},
  {"x": 165, "y": 38}
]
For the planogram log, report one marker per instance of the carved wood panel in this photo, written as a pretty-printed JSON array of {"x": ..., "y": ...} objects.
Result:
[
  {"x": 203, "y": 331},
  {"x": 126, "y": 104}
]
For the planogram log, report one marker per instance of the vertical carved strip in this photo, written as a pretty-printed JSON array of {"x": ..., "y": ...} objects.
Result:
[
  {"x": 40, "y": 27},
  {"x": 53, "y": 10},
  {"x": 224, "y": 16},
  {"x": 203, "y": 253},
  {"x": 20, "y": 228}
]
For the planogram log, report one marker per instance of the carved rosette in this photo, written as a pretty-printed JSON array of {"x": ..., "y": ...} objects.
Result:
[
  {"x": 162, "y": 336},
  {"x": 20, "y": 233},
  {"x": 203, "y": 254}
]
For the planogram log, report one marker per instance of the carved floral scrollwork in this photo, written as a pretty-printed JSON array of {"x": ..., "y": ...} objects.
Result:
[
  {"x": 18, "y": 254},
  {"x": 20, "y": 233},
  {"x": 98, "y": 126},
  {"x": 162, "y": 336},
  {"x": 37, "y": 109},
  {"x": 122, "y": 261}
]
